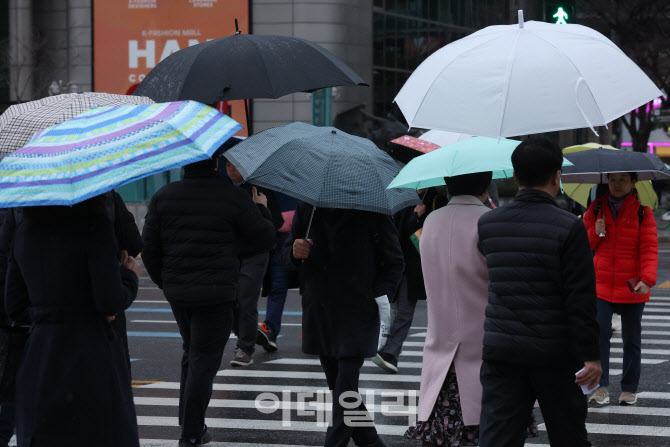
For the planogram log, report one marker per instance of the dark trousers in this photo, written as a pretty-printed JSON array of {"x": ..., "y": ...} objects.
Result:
[
  {"x": 279, "y": 277},
  {"x": 342, "y": 376},
  {"x": 252, "y": 271},
  {"x": 403, "y": 313},
  {"x": 509, "y": 392},
  {"x": 7, "y": 424},
  {"x": 205, "y": 331},
  {"x": 631, "y": 333}
]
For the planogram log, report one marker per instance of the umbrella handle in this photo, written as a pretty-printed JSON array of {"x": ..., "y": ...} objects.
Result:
[
  {"x": 601, "y": 215},
  {"x": 309, "y": 225}
]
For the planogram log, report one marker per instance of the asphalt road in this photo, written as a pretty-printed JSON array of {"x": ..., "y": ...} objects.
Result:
[{"x": 279, "y": 381}]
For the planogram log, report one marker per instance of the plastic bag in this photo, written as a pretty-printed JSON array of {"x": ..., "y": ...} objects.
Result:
[{"x": 384, "y": 320}]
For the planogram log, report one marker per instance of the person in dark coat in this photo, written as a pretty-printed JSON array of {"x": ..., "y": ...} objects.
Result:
[
  {"x": 191, "y": 236},
  {"x": 64, "y": 277},
  {"x": 128, "y": 238},
  {"x": 253, "y": 266},
  {"x": 540, "y": 327},
  {"x": 407, "y": 221},
  {"x": 350, "y": 258}
]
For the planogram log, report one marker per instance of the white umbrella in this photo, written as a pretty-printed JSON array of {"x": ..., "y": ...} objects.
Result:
[
  {"x": 442, "y": 138},
  {"x": 509, "y": 80}
]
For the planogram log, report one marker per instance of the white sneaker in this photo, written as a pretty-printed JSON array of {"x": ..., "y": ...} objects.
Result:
[
  {"x": 600, "y": 397},
  {"x": 616, "y": 322},
  {"x": 628, "y": 398}
]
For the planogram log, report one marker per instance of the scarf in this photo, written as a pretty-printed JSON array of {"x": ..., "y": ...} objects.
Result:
[{"x": 615, "y": 204}]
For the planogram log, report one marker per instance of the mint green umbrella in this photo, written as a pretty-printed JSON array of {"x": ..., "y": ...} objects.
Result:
[{"x": 476, "y": 154}]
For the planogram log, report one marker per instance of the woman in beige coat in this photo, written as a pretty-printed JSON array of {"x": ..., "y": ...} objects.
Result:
[{"x": 456, "y": 279}]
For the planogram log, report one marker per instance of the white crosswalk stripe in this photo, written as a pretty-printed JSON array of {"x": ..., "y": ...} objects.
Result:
[{"x": 297, "y": 383}]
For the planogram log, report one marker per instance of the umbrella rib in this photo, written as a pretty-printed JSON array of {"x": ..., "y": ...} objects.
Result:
[
  {"x": 442, "y": 71},
  {"x": 508, "y": 75},
  {"x": 559, "y": 51}
]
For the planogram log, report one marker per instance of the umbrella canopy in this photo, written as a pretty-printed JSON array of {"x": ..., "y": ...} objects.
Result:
[
  {"x": 322, "y": 166},
  {"x": 593, "y": 166},
  {"x": 107, "y": 147},
  {"x": 406, "y": 148},
  {"x": 443, "y": 138},
  {"x": 580, "y": 192},
  {"x": 476, "y": 154},
  {"x": 533, "y": 77},
  {"x": 245, "y": 66},
  {"x": 20, "y": 122}
]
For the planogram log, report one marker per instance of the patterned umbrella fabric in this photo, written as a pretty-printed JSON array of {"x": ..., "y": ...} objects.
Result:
[
  {"x": 108, "y": 147},
  {"x": 322, "y": 166},
  {"x": 20, "y": 122}
]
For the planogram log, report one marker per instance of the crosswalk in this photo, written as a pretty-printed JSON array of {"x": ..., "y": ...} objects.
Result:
[{"x": 283, "y": 398}]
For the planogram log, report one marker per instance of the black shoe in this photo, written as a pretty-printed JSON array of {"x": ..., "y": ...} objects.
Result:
[
  {"x": 206, "y": 436},
  {"x": 386, "y": 362},
  {"x": 266, "y": 338}
]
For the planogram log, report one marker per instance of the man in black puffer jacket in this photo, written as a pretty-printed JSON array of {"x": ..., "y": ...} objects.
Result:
[
  {"x": 191, "y": 236},
  {"x": 540, "y": 324}
]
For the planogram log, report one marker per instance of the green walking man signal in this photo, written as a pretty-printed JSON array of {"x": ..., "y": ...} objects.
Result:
[{"x": 561, "y": 16}]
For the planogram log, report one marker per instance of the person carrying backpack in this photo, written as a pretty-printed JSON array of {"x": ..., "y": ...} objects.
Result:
[{"x": 622, "y": 233}]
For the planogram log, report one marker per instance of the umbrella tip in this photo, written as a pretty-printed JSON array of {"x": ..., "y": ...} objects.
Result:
[
  {"x": 520, "y": 18},
  {"x": 237, "y": 29}
]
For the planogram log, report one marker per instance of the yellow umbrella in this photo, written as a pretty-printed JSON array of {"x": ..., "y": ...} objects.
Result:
[{"x": 579, "y": 192}]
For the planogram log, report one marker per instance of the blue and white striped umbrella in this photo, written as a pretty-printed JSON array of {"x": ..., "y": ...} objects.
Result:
[
  {"x": 322, "y": 166},
  {"x": 107, "y": 147}
]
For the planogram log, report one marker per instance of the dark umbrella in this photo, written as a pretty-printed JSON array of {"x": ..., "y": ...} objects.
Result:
[
  {"x": 594, "y": 165},
  {"x": 245, "y": 66}
]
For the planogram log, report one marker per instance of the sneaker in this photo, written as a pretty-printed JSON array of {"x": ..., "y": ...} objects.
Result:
[
  {"x": 616, "y": 322},
  {"x": 266, "y": 338},
  {"x": 600, "y": 397},
  {"x": 627, "y": 398},
  {"x": 386, "y": 362},
  {"x": 241, "y": 358}
]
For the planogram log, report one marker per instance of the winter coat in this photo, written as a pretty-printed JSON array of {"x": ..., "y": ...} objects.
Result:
[
  {"x": 457, "y": 287},
  {"x": 407, "y": 222},
  {"x": 628, "y": 250},
  {"x": 542, "y": 290},
  {"x": 355, "y": 258},
  {"x": 73, "y": 385},
  {"x": 191, "y": 233}
]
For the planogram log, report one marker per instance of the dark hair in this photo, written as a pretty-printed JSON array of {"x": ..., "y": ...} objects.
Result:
[
  {"x": 80, "y": 211},
  {"x": 469, "y": 184},
  {"x": 633, "y": 175},
  {"x": 536, "y": 161},
  {"x": 203, "y": 165}
]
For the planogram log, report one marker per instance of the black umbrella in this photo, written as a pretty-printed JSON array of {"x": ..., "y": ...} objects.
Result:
[
  {"x": 594, "y": 165},
  {"x": 244, "y": 66}
]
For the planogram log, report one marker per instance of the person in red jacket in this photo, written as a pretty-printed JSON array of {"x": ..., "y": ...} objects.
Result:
[{"x": 623, "y": 237}]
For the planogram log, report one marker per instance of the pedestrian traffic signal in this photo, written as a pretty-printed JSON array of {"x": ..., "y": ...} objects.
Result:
[{"x": 560, "y": 12}]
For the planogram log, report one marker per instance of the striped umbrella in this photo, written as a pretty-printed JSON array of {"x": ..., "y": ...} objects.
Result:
[
  {"x": 20, "y": 122},
  {"x": 107, "y": 147},
  {"x": 322, "y": 166}
]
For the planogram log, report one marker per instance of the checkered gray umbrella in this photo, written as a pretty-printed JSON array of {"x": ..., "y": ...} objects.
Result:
[
  {"x": 322, "y": 166},
  {"x": 21, "y": 121}
]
